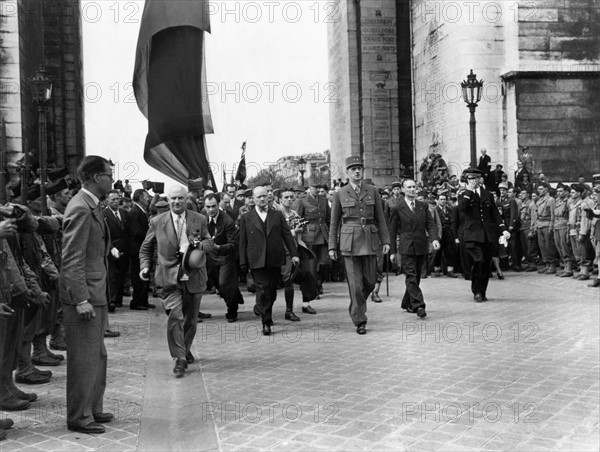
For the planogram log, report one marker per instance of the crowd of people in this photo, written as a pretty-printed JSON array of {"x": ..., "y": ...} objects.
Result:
[{"x": 64, "y": 267}]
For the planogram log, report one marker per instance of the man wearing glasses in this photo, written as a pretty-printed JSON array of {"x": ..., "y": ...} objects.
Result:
[
  {"x": 358, "y": 230},
  {"x": 483, "y": 225}
]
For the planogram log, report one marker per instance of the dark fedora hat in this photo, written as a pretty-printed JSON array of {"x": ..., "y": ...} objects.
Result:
[{"x": 193, "y": 260}]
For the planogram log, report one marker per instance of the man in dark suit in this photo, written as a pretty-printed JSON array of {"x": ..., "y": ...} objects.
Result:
[
  {"x": 221, "y": 263},
  {"x": 264, "y": 233},
  {"x": 84, "y": 295},
  {"x": 413, "y": 223},
  {"x": 483, "y": 225},
  {"x": 359, "y": 230},
  {"x": 118, "y": 259},
  {"x": 137, "y": 227},
  {"x": 485, "y": 165},
  {"x": 458, "y": 231},
  {"x": 180, "y": 290}
]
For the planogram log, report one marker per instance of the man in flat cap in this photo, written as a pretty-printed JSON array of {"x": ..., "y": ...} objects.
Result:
[
  {"x": 358, "y": 229},
  {"x": 483, "y": 226}
]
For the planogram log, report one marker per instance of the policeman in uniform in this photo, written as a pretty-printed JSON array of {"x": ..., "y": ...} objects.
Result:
[
  {"x": 315, "y": 209},
  {"x": 509, "y": 211},
  {"x": 358, "y": 226}
]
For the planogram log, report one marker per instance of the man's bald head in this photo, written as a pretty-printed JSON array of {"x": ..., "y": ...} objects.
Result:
[{"x": 177, "y": 197}]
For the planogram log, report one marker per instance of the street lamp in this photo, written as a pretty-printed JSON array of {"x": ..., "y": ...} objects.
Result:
[
  {"x": 471, "y": 90},
  {"x": 302, "y": 169},
  {"x": 41, "y": 88}
]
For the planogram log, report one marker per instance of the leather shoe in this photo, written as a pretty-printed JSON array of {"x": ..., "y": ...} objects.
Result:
[
  {"x": 151, "y": 306},
  {"x": 361, "y": 329},
  {"x": 109, "y": 333},
  {"x": 308, "y": 310},
  {"x": 478, "y": 297},
  {"x": 91, "y": 429},
  {"x": 29, "y": 396},
  {"x": 179, "y": 369},
  {"x": 202, "y": 315},
  {"x": 595, "y": 283},
  {"x": 103, "y": 418},
  {"x": 45, "y": 361},
  {"x": 484, "y": 298},
  {"x": 11, "y": 403},
  {"x": 500, "y": 276},
  {"x": 6, "y": 423},
  {"x": 292, "y": 317},
  {"x": 409, "y": 310},
  {"x": 55, "y": 356},
  {"x": 266, "y": 330},
  {"x": 59, "y": 345},
  {"x": 451, "y": 275},
  {"x": 45, "y": 373},
  {"x": 421, "y": 313},
  {"x": 375, "y": 298},
  {"x": 232, "y": 319},
  {"x": 32, "y": 379},
  {"x": 138, "y": 308},
  {"x": 112, "y": 307},
  {"x": 189, "y": 358},
  {"x": 256, "y": 313}
]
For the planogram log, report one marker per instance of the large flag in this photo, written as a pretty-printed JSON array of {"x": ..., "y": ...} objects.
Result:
[
  {"x": 240, "y": 175},
  {"x": 169, "y": 83}
]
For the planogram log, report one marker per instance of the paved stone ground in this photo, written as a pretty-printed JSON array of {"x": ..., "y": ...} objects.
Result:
[{"x": 519, "y": 372}]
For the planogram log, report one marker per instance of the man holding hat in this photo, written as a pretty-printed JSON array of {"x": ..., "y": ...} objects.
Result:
[
  {"x": 179, "y": 236},
  {"x": 358, "y": 229},
  {"x": 483, "y": 225}
]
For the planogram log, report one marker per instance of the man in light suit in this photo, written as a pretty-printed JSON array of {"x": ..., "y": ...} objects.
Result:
[
  {"x": 181, "y": 292},
  {"x": 412, "y": 221},
  {"x": 118, "y": 259},
  {"x": 84, "y": 296},
  {"x": 358, "y": 226},
  {"x": 264, "y": 233}
]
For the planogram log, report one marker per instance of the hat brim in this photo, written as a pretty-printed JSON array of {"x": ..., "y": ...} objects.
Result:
[{"x": 193, "y": 260}]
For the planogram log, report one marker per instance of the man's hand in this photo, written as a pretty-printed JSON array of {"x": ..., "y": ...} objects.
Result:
[
  {"x": 457, "y": 241},
  {"x": 393, "y": 258},
  {"x": 86, "y": 311},
  {"x": 436, "y": 245},
  {"x": 386, "y": 248},
  {"x": 145, "y": 274},
  {"x": 333, "y": 255},
  {"x": 5, "y": 310},
  {"x": 295, "y": 260},
  {"x": 8, "y": 228},
  {"x": 115, "y": 253},
  {"x": 472, "y": 184},
  {"x": 42, "y": 300}
]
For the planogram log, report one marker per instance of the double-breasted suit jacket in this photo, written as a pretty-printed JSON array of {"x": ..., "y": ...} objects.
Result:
[
  {"x": 162, "y": 236},
  {"x": 86, "y": 244},
  {"x": 482, "y": 219},
  {"x": 415, "y": 229},
  {"x": 226, "y": 237},
  {"x": 359, "y": 220},
  {"x": 262, "y": 245}
]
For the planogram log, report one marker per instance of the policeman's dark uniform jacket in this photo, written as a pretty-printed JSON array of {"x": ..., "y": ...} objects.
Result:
[
  {"x": 447, "y": 238},
  {"x": 315, "y": 209},
  {"x": 360, "y": 222},
  {"x": 482, "y": 228}
]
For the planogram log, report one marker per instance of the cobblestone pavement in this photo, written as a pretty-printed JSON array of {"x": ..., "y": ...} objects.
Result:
[{"x": 519, "y": 372}]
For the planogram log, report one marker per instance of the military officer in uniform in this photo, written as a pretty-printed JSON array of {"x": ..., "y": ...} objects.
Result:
[
  {"x": 358, "y": 226},
  {"x": 315, "y": 209},
  {"x": 483, "y": 226}
]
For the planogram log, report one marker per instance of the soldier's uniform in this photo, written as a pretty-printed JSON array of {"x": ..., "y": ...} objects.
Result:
[
  {"x": 315, "y": 209},
  {"x": 561, "y": 235},
  {"x": 586, "y": 250},
  {"x": 544, "y": 227},
  {"x": 527, "y": 214},
  {"x": 509, "y": 211},
  {"x": 447, "y": 243},
  {"x": 357, "y": 216}
]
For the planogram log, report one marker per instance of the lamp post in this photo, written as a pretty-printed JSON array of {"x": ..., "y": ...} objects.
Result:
[
  {"x": 471, "y": 89},
  {"x": 41, "y": 88},
  {"x": 302, "y": 169}
]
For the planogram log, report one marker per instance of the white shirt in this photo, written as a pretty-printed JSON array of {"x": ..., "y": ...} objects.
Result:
[
  {"x": 262, "y": 215},
  {"x": 181, "y": 230}
]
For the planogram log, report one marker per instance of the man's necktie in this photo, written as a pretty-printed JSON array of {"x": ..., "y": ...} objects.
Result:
[
  {"x": 412, "y": 206},
  {"x": 211, "y": 227},
  {"x": 357, "y": 190},
  {"x": 118, "y": 215}
]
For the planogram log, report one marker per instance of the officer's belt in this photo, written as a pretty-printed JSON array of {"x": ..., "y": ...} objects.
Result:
[
  {"x": 360, "y": 221},
  {"x": 544, "y": 218}
]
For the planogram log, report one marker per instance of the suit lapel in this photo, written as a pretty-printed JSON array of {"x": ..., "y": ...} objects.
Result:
[
  {"x": 255, "y": 218},
  {"x": 169, "y": 229},
  {"x": 270, "y": 220}
]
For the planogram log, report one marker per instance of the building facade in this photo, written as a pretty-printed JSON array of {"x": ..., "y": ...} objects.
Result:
[
  {"x": 42, "y": 34},
  {"x": 540, "y": 63}
]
